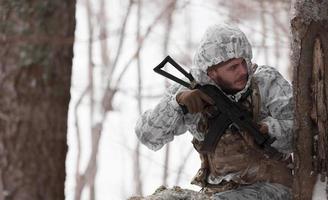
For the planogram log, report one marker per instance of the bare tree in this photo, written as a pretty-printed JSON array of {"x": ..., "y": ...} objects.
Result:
[
  {"x": 137, "y": 165},
  {"x": 183, "y": 165},
  {"x": 309, "y": 58},
  {"x": 264, "y": 25},
  {"x": 88, "y": 176},
  {"x": 168, "y": 26},
  {"x": 93, "y": 170},
  {"x": 103, "y": 20},
  {"x": 111, "y": 88},
  {"x": 35, "y": 73},
  {"x": 276, "y": 34},
  {"x": 81, "y": 180}
]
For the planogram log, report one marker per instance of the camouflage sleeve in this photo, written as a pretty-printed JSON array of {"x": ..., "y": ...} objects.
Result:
[
  {"x": 158, "y": 126},
  {"x": 276, "y": 106}
]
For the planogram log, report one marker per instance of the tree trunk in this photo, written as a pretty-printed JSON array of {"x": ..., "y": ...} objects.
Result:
[
  {"x": 168, "y": 28},
  {"x": 35, "y": 74},
  {"x": 310, "y": 61},
  {"x": 137, "y": 157}
]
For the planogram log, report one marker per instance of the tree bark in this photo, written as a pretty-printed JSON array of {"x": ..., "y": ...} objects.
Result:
[
  {"x": 35, "y": 73},
  {"x": 310, "y": 62}
]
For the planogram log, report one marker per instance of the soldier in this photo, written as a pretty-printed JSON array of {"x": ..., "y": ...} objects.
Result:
[{"x": 238, "y": 168}]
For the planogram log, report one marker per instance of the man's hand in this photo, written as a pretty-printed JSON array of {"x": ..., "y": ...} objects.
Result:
[
  {"x": 195, "y": 100},
  {"x": 263, "y": 128}
]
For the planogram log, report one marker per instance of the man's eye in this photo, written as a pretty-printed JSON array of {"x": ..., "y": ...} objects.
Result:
[{"x": 233, "y": 67}]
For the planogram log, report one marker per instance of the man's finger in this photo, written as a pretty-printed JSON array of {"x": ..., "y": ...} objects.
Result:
[
  {"x": 192, "y": 107},
  {"x": 206, "y": 98},
  {"x": 199, "y": 104}
]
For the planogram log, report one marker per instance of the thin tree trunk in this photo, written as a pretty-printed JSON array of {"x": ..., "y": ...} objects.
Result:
[
  {"x": 189, "y": 37},
  {"x": 78, "y": 178},
  {"x": 88, "y": 177},
  {"x": 110, "y": 91},
  {"x": 91, "y": 180},
  {"x": 103, "y": 36},
  {"x": 35, "y": 74},
  {"x": 310, "y": 62},
  {"x": 171, "y": 6},
  {"x": 166, "y": 164},
  {"x": 111, "y": 86},
  {"x": 137, "y": 165},
  {"x": 276, "y": 33},
  {"x": 264, "y": 32},
  {"x": 121, "y": 41},
  {"x": 182, "y": 165}
]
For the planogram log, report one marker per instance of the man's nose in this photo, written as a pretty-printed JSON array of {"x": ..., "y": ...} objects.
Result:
[{"x": 242, "y": 69}]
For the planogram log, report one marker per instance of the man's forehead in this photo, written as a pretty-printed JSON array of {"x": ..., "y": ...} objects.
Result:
[
  {"x": 229, "y": 62},
  {"x": 235, "y": 61}
]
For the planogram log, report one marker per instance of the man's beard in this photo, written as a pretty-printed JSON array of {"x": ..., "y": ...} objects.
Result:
[{"x": 230, "y": 90}]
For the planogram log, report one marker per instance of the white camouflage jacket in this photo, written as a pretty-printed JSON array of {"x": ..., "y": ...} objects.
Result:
[{"x": 220, "y": 43}]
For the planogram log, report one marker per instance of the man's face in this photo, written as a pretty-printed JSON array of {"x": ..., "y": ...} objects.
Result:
[{"x": 231, "y": 75}]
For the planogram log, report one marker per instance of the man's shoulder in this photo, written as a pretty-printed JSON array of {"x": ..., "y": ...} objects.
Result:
[
  {"x": 269, "y": 77},
  {"x": 266, "y": 72},
  {"x": 263, "y": 69}
]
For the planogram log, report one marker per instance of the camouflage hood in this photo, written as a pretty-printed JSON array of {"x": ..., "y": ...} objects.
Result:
[{"x": 219, "y": 44}]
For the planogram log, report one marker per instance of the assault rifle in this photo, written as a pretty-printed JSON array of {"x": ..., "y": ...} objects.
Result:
[{"x": 226, "y": 113}]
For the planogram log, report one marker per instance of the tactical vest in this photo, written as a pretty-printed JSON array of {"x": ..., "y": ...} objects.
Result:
[{"x": 237, "y": 153}]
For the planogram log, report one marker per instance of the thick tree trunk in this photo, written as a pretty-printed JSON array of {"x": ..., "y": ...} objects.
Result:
[
  {"x": 310, "y": 62},
  {"x": 35, "y": 74}
]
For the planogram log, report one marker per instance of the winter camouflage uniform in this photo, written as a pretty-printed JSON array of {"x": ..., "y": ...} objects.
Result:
[{"x": 237, "y": 169}]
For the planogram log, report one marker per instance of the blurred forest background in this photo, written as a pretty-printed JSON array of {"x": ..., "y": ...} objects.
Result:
[{"x": 117, "y": 44}]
